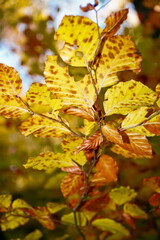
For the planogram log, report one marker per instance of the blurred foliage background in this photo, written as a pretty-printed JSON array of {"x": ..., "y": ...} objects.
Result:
[{"x": 27, "y": 28}]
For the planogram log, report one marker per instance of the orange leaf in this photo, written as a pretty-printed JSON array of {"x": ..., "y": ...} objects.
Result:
[
  {"x": 152, "y": 183},
  {"x": 113, "y": 23},
  {"x": 91, "y": 143},
  {"x": 154, "y": 200},
  {"x": 153, "y": 127},
  {"x": 98, "y": 203},
  {"x": 130, "y": 141},
  {"x": 72, "y": 183},
  {"x": 72, "y": 169},
  {"x": 83, "y": 113},
  {"x": 107, "y": 170}
]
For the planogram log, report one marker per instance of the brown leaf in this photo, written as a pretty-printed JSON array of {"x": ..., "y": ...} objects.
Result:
[
  {"x": 153, "y": 127},
  {"x": 73, "y": 183},
  {"x": 73, "y": 169},
  {"x": 91, "y": 143},
  {"x": 107, "y": 170},
  {"x": 154, "y": 200},
  {"x": 113, "y": 23},
  {"x": 83, "y": 113},
  {"x": 129, "y": 220},
  {"x": 89, "y": 6},
  {"x": 98, "y": 203},
  {"x": 134, "y": 143}
]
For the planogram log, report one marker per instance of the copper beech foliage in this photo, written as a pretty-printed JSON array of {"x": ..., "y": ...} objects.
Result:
[{"x": 46, "y": 111}]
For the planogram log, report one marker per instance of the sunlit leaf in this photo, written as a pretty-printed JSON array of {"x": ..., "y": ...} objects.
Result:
[
  {"x": 49, "y": 160},
  {"x": 10, "y": 81},
  {"x": 82, "y": 33},
  {"x": 106, "y": 224},
  {"x": 80, "y": 93},
  {"x": 5, "y": 202},
  {"x": 42, "y": 127},
  {"x": 122, "y": 195},
  {"x": 74, "y": 169},
  {"x": 88, "y": 114},
  {"x": 133, "y": 142},
  {"x": 92, "y": 142},
  {"x": 134, "y": 211},
  {"x": 136, "y": 117},
  {"x": 152, "y": 183},
  {"x": 158, "y": 88},
  {"x": 88, "y": 127},
  {"x": 113, "y": 22},
  {"x": 38, "y": 93},
  {"x": 107, "y": 170},
  {"x": 154, "y": 200},
  {"x": 73, "y": 183},
  {"x": 118, "y": 54},
  {"x": 153, "y": 125},
  {"x": 97, "y": 203},
  {"x": 69, "y": 218},
  {"x": 127, "y": 96},
  {"x": 54, "y": 207},
  {"x": 35, "y": 235}
]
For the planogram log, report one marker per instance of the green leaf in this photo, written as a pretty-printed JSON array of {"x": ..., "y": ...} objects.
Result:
[
  {"x": 106, "y": 224},
  {"x": 69, "y": 218},
  {"x": 128, "y": 96},
  {"x": 63, "y": 86},
  {"x": 134, "y": 211},
  {"x": 122, "y": 195}
]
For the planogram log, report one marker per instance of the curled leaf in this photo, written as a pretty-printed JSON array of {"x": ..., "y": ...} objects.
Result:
[
  {"x": 134, "y": 211},
  {"x": 88, "y": 114},
  {"x": 89, "y": 6}
]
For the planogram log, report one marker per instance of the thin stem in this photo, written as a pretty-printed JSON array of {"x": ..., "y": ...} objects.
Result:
[
  {"x": 143, "y": 123},
  {"x": 104, "y": 5},
  {"x": 50, "y": 118},
  {"x": 84, "y": 194}
]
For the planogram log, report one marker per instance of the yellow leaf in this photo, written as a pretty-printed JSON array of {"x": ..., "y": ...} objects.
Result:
[
  {"x": 134, "y": 211},
  {"x": 41, "y": 127},
  {"x": 35, "y": 235},
  {"x": 20, "y": 203},
  {"x": 49, "y": 160},
  {"x": 127, "y": 96},
  {"x": 63, "y": 86},
  {"x": 38, "y": 93},
  {"x": 122, "y": 195},
  {"x": 106, "y": 224},
  {"x": 69, "y": 218},
  {"x": 10, "y": 82},
  {"x": 127, "y": 154},
  {"x": 136, "y": 117},
  {"x": 158, "y": 88},
  {"x": 81, "y": 33},
  {"x": 5, "y": 202},
  {"x": 69, "y": 146},
  {"x": 55, "y": 207},
  {"x": 88, "y": 127},
  {"x": 118, "y": 54}
]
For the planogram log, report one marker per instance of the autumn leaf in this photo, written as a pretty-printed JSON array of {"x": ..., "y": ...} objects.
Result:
[
  {"x": 40, "y": 126},
  {"x": 136, "y": 117},
  {"x": 107, "y": 170},
  {"x": 92, "y": 142},
  {"x": 54, "y": 207},
  {"x": 72, "y": 169},
  {"x": 81, "y": 36},
  {"x": 97, "y": 203},
  {"x": 134, "y": 211},
  {"x": 35, "y": 235},
  {"x": 69, "y": 218},
  {"x": 125, "y": 97},
  {"x": 71, "y": 93},
  {"x": 118, "y": 54},
  {"x": 132, "y": 142},
  {"x": 88, "y": 114},
  {"x": 153, "y": 125},
  {"x": 153, "y": 183},
  {"x": 106, "y": 224},
  {"x": 73, "y": 183},
  {"x": 88, "y": 127},
  {"x": 158, "y": 88},
  {"x": 154, "y": 200},
  {"x": 113, "y": 23},
  {"x": 89, "y": 6},
  {"x": 122, "y": 195},
  {"x": 5, "y": 202}
]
